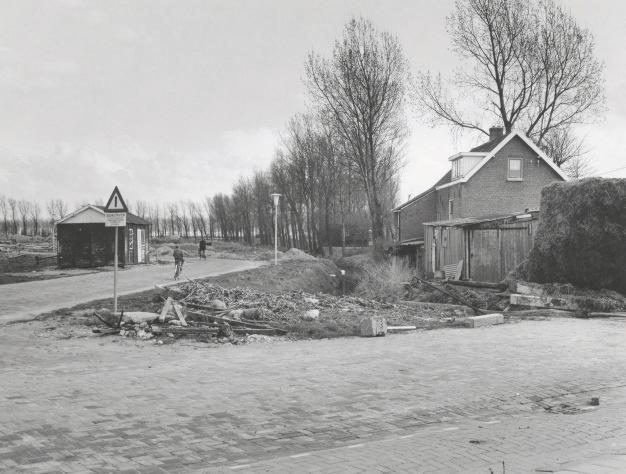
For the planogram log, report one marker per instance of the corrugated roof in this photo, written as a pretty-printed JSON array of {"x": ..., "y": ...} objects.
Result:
[{"x": 465, "y": 221}]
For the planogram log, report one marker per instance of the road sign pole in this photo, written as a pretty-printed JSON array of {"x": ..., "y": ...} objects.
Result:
[
  {"x": 115, "y": 274},
  {"x": 115, "y": 216}
]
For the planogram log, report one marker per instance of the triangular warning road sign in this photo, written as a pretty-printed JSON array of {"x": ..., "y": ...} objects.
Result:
[{"x": 116, "y": 202}]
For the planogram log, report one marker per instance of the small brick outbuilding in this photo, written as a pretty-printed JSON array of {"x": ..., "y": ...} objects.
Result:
[{"x": 84, "y": 241}]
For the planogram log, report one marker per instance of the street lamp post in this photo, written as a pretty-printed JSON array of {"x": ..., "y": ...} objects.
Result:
[{"x": 276, "y": 197}]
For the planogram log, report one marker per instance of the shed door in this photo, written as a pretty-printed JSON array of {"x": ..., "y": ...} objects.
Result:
[
  {"x": 141, "y": 245},
  {"x": 485, "y": 255}
]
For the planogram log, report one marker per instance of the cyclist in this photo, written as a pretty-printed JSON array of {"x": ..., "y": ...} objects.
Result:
[{"x": 179, "y": 260}]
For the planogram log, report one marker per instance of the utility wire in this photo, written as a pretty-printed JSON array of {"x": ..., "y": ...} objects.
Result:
[{"x": 613, "y": 171}]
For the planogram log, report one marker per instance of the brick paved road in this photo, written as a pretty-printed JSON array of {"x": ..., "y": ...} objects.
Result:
[
  {"x": 26, "y": 300},
  {"x": 440, "y": 401}
]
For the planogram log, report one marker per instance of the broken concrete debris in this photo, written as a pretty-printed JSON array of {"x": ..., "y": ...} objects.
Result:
[
  {"x": 371, "y": 327},
  {"x": 311, "y": 314}
]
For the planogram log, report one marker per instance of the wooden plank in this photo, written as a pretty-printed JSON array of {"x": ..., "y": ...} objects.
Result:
[
  {"x": 607, "y": 315},
  {"x": 237, "y": 322},
  {"x": 452, "y": 295},
  {"x": 401, "y": 328},
  {"x": 459, "y": 270},
  {"x": 542, "y": 313},
  {"x": 478, "y": 284},
  {"x": 179, "y": 312},
  {"x": 205, "y": 330},
  {"x": 166, "y": 309}
]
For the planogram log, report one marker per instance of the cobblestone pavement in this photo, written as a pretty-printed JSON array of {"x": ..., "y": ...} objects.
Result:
[
  {"x": 452, "y": 400},
  {"x": 25, "y": 300}
]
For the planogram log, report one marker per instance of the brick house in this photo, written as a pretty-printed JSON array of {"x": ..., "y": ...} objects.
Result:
[{"x": 499, "y": 178}]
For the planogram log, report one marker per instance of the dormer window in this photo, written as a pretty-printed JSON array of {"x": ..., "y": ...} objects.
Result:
[
  {"x": 457, "y": 168},
  {"x": 463, "y": 163}
]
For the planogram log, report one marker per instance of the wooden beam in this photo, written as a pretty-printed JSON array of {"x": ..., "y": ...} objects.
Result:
[{"x": 478, "y": 284}]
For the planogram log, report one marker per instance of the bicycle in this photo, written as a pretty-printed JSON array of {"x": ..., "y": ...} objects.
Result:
[{"x": 178, "y": 270}]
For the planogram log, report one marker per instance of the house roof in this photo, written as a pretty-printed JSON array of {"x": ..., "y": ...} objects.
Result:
[
  {"x": 494, "y": 151},
  {"x": 130, "y": 217},
  {"x": 443, "y": 180},
  {"x": 488, "y": 146},
  {"x": 489, "y": 150}
]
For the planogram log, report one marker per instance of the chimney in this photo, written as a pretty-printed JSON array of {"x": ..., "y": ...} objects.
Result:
[{"x": 495, "y": 133}]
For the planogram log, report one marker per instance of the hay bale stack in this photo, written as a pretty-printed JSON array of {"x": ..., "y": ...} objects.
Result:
[{"x": 581, "y": 237}]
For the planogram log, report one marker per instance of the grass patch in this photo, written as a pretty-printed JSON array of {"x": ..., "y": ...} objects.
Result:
[{"x": 384, "y": 282}]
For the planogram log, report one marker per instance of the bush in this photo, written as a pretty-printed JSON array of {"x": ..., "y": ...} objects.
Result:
[
  {"x": 581, "y": 237},
  {"x": 384, "y": 282}
]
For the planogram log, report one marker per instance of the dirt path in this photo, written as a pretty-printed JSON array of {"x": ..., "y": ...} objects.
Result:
[{"x": 22, "y": 301}]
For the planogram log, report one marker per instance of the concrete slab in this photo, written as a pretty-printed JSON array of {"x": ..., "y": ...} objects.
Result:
[
  {"x": 544, "y": 302},
  {"x": 484, "y": 320}
]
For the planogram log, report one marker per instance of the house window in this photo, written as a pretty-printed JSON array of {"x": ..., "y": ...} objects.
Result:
[
  {"x": 450, "y": 208},
  {"x": 457, "y": 168},
  {"x": 515, "y": 169}
]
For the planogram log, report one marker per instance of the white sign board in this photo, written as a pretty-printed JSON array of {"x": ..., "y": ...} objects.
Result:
[{"x": 115, "y": 219}]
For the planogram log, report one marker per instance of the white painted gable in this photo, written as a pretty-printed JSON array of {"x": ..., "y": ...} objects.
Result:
[{"x": 86, "y": 215}]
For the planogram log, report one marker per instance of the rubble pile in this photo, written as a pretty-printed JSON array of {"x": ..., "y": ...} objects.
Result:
[
  {"x": 213, "y": 313},
  {"x": 287, "y": 306}
]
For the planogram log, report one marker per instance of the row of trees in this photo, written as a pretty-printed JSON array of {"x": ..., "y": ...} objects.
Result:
[
  {"x": 336, "y": 167},
  {"x": 526, "y": 65},
  {"x": 20, "y": 216}
]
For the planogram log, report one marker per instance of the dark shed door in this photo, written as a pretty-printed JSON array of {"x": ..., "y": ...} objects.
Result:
[
  {"x": 485, "y": 255},
  {"x": 496, "y": 252}
]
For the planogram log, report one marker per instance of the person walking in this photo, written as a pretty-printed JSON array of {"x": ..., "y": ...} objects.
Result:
[
  {"x": 179, "y": 260},
  {"x": 202, "y": 249}
]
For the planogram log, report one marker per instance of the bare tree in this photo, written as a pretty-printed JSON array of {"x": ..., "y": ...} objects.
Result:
[
  {"x": 35, "y": 213},
  {"x": 23, "y": 207},
  {"x": 361, "y": 88},
  {"x": 525, "y": 64},
  {"x": 4, "y": 210},
  {"x": 142, "y": 209},
  {"x": 12, "y": 202},
  {"x": 61, "y": 208},
  {"x": 172, "y": 211}
]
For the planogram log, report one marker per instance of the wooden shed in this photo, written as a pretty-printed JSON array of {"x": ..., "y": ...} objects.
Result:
[
  {"x": 490, "y": 247},
  {"x": 84, "y": 241}
]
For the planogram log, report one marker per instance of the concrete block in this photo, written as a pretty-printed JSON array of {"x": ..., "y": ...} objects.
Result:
[
  {"x": 373, "y": 327},
  {"x": 545, "y": 302},
  {"x": 484, "y": 320}
]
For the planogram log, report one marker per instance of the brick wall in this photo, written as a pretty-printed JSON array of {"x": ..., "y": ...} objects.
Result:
[
  {"x": 414, "y": 215},
  {"x": 489, "y": 192},
  {"x": 443, "y": 196}
]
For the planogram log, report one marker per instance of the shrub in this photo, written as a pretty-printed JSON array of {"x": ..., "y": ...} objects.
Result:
[
  {"x": 384, "y": 281},
  {"x": 581, "y": 237}
]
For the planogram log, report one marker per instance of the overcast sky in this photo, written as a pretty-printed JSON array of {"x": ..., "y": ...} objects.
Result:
[{"x": 176, "y": 99}]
